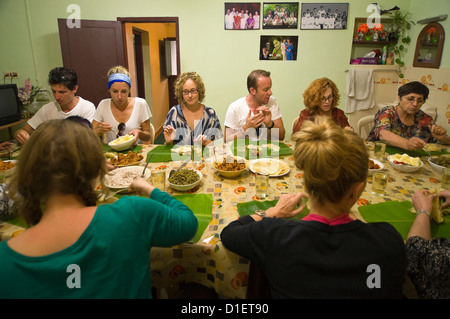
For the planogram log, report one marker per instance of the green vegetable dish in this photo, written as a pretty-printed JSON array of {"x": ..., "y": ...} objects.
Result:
[
  {"x": 441, "y": 160},
  {"x": 184, "y": 177}
]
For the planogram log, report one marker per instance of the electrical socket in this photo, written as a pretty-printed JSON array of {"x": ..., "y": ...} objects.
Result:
[{"x": 10, "y": 75}]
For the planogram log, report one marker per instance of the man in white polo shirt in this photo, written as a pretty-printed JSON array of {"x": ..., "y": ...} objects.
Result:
[
  {"x": 63, "y": 82},
  {"x": 256, "y": 115}
]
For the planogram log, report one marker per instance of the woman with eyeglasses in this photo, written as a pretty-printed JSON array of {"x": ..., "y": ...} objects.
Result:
[
  {"x": 405, "y": 125},
  {"x": 191, "y": 121},
  {"x": 321, "y": 99},
  {"x": 121, "y": 114}
]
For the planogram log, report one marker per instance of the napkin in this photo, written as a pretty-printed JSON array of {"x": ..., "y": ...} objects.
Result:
[
  {"x": 401, "y": 216},
  {"x": 249, "y": 208},
  {"x": 201, "y": 206}
]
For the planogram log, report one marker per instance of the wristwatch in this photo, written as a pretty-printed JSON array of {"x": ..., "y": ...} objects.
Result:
[
  {"x": 423, "y": 211},
  {"x": 261, "y": 213}
]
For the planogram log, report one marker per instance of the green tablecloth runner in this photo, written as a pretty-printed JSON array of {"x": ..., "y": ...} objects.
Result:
[
  {"x": 401, "y": 217},
  {"x": 163, "y": 153},
  {"x": 248, "y": 208},
  {"x": 391, "y": 150},
  {"x": 201, "y": 205}
]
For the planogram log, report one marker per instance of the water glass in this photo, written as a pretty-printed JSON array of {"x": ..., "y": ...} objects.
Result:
[
  {"x": 261, "y": 185},
  {"x": 379, "y": 150},
  {"x": 159, "y": 179},
  {"x": 379, "y": 183}
]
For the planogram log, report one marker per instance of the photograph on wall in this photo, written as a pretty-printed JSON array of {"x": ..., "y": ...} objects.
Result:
[
  {"x": 320, "y": 16},
  {"x": 280, "y": 15},
  {"x": 278, "y": 47},
  {"x": 242, "y": 16}
]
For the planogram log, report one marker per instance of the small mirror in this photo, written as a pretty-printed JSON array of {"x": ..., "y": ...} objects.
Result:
[{"x": 429, "y": 46}]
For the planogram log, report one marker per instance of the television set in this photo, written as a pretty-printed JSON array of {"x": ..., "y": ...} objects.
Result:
[{"x": 10, "y": 106}]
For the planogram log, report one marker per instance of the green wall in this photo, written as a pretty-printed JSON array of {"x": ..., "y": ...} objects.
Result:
[{"x": 30, "y": 44}]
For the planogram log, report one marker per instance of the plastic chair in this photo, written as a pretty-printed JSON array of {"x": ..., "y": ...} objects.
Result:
[{"x": 364, "y": 126}]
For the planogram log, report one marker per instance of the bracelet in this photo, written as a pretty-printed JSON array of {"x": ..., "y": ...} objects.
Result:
[
  {"x": 273, "y": 124},
  {"x": 423, "y": 211}
]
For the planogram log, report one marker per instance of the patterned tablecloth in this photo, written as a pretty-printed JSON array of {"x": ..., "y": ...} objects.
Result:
[{"x": 207, "y": 261}]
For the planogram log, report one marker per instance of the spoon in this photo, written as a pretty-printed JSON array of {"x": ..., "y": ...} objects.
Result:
[
  {"x": 146, "y": 164},
  {"x": 181, "y": 166}
]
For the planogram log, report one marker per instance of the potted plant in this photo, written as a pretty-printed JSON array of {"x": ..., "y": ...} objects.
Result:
[{"x": 401, "y": 24}]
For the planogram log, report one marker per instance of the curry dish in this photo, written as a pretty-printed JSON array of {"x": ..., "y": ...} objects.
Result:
[
  {"x": 4, "y": 166},
  {"x": 126, "y": 159},
  {"x": 230, "y": 165}
]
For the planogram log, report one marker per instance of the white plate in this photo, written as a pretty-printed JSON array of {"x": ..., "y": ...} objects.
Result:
[
  {"x": 251, "y": 163},
  {"x": 119, "y": 173},
  {"x": 404, "y": 168},
  {"x": 371, "y": 171}
]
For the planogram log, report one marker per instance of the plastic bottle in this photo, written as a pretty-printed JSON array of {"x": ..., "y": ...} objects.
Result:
[
  {"x": 384, "y": 55},
  {"x": 390, "y": 59}
]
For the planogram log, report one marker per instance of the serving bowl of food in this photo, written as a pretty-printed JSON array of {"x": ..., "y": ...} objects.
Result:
[
  {"x": 439, "y": 163},
  {"x": 405, "y": 163},
  {"x": 185, "y": 179},
  {"x": 128, "y": 159},
  {"x": 121, "y": 178},
  {"x": 8, "y": 167},
  {"x": 375, "y": 166},
  {"x": 122, "y": 143},
  {"x": 230, "y": 166}
]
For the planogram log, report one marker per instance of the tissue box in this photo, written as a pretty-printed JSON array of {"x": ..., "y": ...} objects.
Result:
[{"x": 368, "y": 60}]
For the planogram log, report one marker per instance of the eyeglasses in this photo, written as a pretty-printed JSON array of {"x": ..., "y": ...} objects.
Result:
[
  {"x": 411, "y": 100},
  {"x": 193, "y": 91},
  {"x": 121, "y": 127},
  {"x": 324, "y": 99}
]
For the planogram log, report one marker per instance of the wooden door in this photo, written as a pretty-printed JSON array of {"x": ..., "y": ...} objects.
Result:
[{"x": 91, "y": 50}]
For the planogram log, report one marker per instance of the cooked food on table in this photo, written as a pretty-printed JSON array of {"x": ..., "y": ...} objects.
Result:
[
  {"x": 4, "y": 166},
  {"x": 126, "y": 159},
  {"x": 405, "y": 159},
  {"x": 231, "y": 164},
  {"x": 184, "y": 177}
]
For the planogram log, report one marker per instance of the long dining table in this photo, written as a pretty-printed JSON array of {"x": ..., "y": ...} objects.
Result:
[{"x": 206, "y": 261}]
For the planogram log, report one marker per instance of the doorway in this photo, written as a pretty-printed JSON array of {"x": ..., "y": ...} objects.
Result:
[{"x": 132, "y": 42}]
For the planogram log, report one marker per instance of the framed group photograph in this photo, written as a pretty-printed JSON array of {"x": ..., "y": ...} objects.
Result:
[
  {"x": 278, "y": 47},
  {"x": 320, "y": 16},
  {"x": 279, "y": 15},
  {"x": 242, "y": 16}
]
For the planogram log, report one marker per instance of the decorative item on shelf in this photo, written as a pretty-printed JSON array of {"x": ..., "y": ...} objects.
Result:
[
  {"x": 362, "y": 31},
  {"x": 377, "y": 30},
  {"x": 42, "y": 97},
  {"x": 429, "y": 38}
]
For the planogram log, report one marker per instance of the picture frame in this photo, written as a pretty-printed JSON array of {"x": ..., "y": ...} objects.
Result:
[
  {"x": 324, "y": 16},
  {"x": 280, "y": 15},
  {"x": 242, "y": 16},
  {"x": 278, "y": 47}
]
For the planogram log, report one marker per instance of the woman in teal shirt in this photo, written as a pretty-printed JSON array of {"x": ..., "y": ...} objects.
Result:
[{"x": 74, "y": 249}]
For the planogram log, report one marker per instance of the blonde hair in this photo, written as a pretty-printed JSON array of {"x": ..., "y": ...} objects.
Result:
[
  {"x": 332, "y": 159},
  {"x": 198, "y": 82},
  {"x": 61, "y": 156},
  {"x": 118, "y": 69},
  {"x": 312, "y": 97}
]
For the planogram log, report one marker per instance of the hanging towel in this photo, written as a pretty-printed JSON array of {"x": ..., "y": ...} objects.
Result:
[{"x": 359, "y": 90}]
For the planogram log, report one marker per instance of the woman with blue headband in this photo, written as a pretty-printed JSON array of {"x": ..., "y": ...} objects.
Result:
[{"x": 122, "y": 114}]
